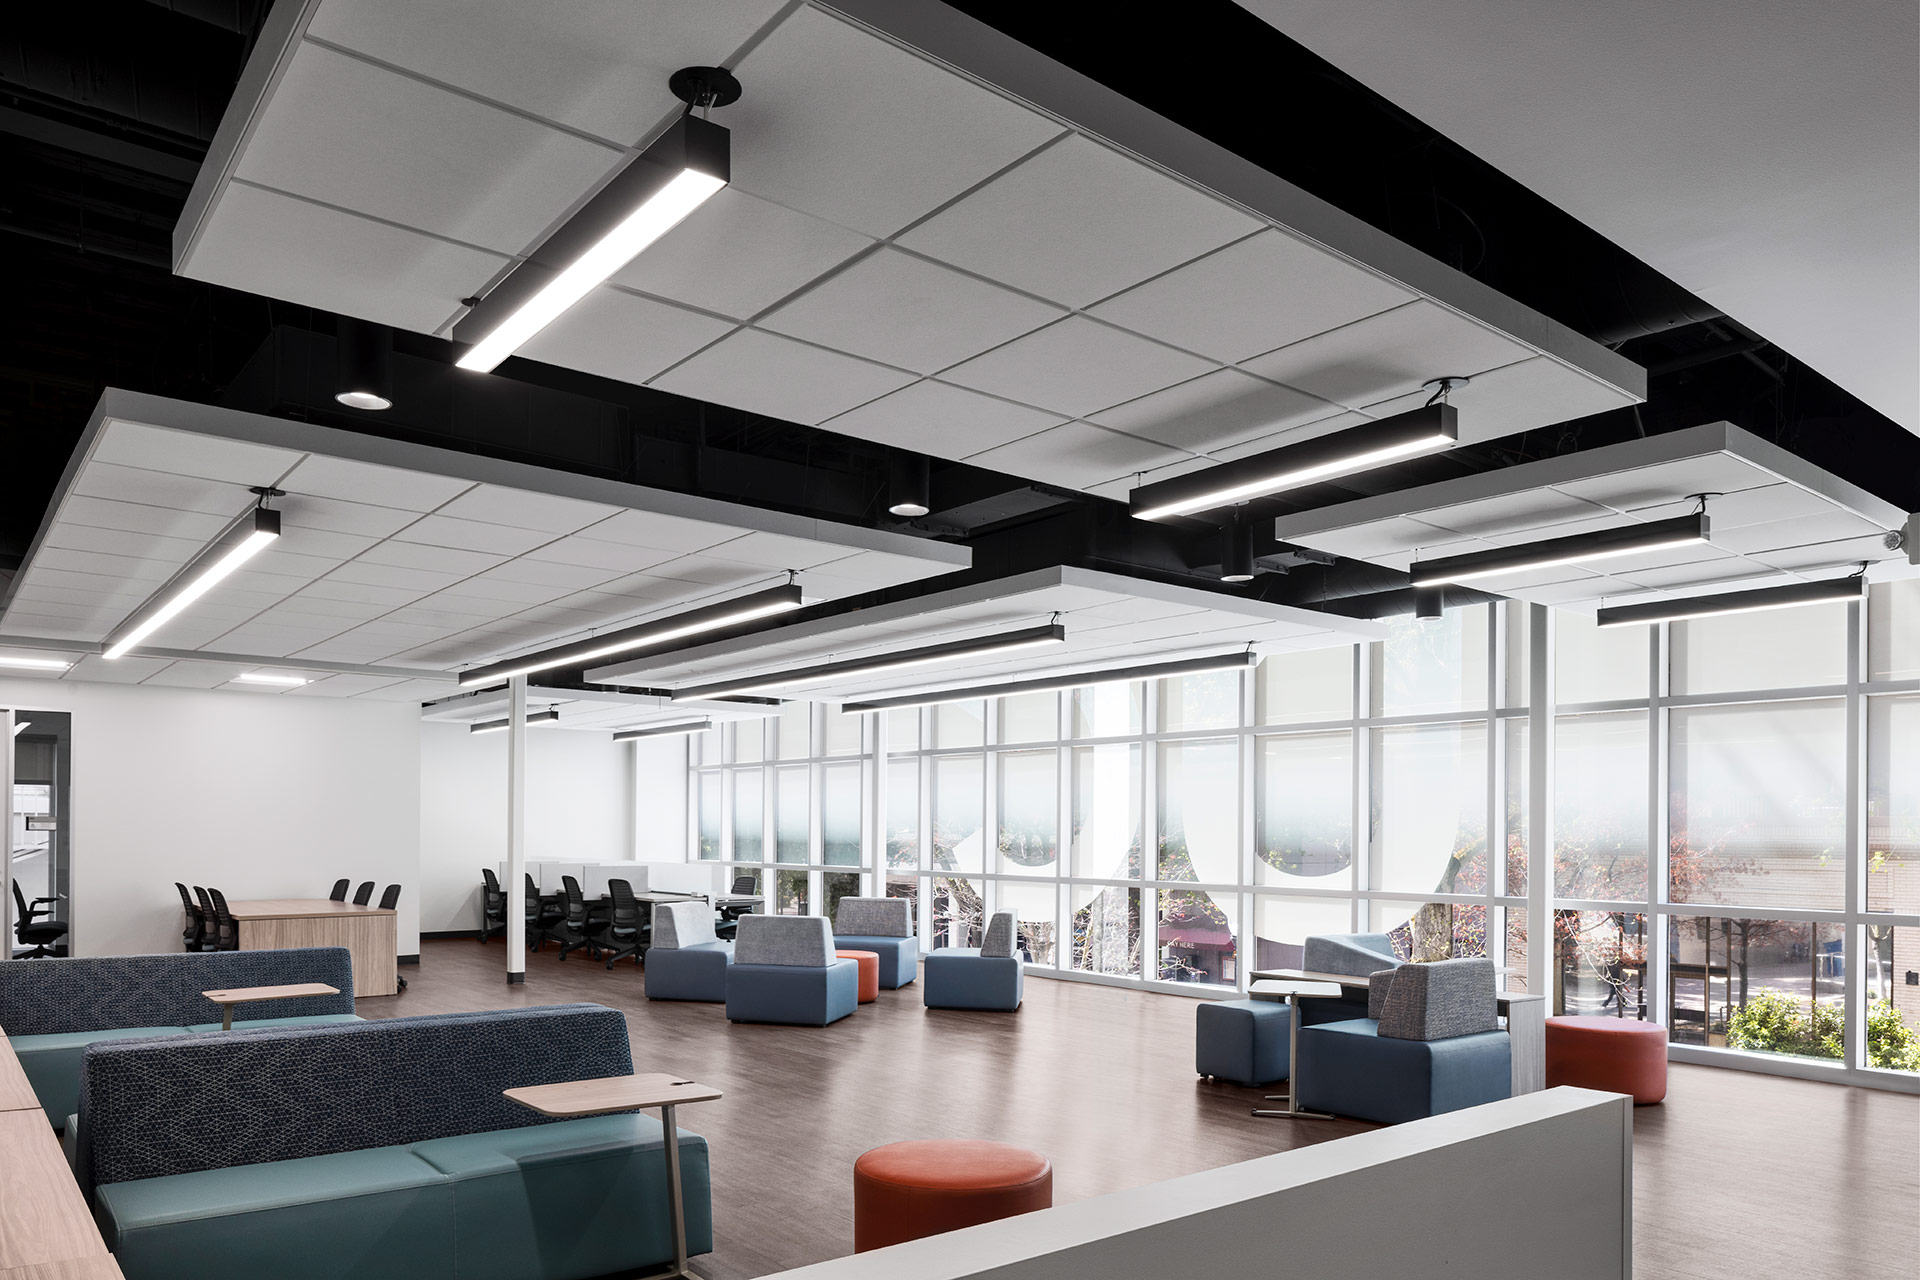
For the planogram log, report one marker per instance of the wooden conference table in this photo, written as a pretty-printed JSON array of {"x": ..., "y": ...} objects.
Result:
[{"x": 371, "y": 934}]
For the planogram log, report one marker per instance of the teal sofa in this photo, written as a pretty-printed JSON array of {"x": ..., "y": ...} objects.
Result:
[
  {"x": 53, "y": 1009},
  {"x": 375, "y": 1151}
]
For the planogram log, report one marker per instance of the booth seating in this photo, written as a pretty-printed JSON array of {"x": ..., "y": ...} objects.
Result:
[
  {"x": 990, "y": 976},
  {"x": 686, "y": 961},
  {"x": 1432, "y": 1044},
  {"x": 907, "y": 1190},
  {"x": 53, "y": 1009},
  {"x": 1618, "y": 1055},
  {"x": 379, "y": 1151},
  {"x": 883, "y": 926},
  {"x": 1244, "y": 1041},
  {"x": 1356, "y": 954},
  {"x": 784, "y": 970}
]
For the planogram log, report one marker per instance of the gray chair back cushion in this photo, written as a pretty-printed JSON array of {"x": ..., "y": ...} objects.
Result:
[
  {"x": 1378, "y": 984},
  {"x": 801, "y": 941},
  {"x": 999, "y": 938},
  {"x": 99, "y": 993},
  {"x": 1358, "y": 954},
  {"x": 1440, "y": 1000},
  {"x": 874, "y": 917},
  {"x": 682, "y": 924}
]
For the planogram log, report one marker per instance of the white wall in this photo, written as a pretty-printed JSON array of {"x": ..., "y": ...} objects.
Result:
[
  {"x": 262, "y": 795},
  {"x": 584, "y": 794}
]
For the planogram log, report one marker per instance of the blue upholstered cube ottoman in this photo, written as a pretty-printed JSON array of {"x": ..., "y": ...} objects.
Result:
[{"x": 1244, "y": 1041}]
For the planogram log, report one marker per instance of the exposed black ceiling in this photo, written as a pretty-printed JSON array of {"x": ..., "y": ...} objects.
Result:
[{"x": 106, "y": 109}]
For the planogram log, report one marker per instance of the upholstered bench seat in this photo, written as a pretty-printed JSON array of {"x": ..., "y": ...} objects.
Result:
[
  {"x": 52, "y": 1063},
  {"x": 883, "y": 926},
  {"x": 686, "y": 960},
  {"x": 784, "y": 970},
  {"x": 1350, "y": 1069}
]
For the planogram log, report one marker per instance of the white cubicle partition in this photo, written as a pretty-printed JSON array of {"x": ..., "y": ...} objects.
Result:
[{"x": 1536, "y": 1185}]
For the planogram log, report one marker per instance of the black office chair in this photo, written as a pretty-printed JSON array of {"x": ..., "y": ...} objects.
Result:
[
  {"x": 744, "y": 886},
  {"x": 34, "y": 927},
  {"x": 363, "y": 895},
  {"x": 228, "y": 931},
  {"x": 340, "y": 888},
  {"x": 542, "y": 914},
  {"x": 627, "y": 927},
  {"x": 577, "y": 928},
  {"x": 390, "y": 898},
  {"x": 493, "y": 905},
  {"x": 190, "y": 937},
  {"x": 210, "y": 939}
]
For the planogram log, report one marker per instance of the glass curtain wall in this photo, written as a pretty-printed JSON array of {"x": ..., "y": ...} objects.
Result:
[{"x": 1731, "y": 819}]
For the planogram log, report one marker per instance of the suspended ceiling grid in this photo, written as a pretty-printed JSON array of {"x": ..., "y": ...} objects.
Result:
[
  {"x": 394, "y": 558},
  {"x": 934, "y": 238},
  {"x": 1777, "y": 519},
  {"x": 1111, "y": 620}
]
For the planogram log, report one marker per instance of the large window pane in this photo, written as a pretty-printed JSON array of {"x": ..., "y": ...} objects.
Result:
[
  {"x": 903, "y": 729},
  {"x": 1106, "y": 930},
  {"x": 1107, "y": 710},
  {"x": 1764, "y": 986},
  {"x": 1296, "y": 688},
  {"x": 1893, "y": 630},
  {"x": 1030, "y": 717},
  {"x": 1893, "y": 803},
  {"x": 1519, "y": 805},
  {"x": 1430, "y": 808},
  {"x": 1210, "y": 701},
  {"x": 1200, "y": 811},
  {"x": 907, "y": 887},
  {"x": 1029, "y": 812},
  {"x": 835, "y": 885},
  {"x": 1036, "y": 910},
  {"x": 1598, "y": 664},
  {"x": 790, "y": 893},
  {"x": 1600, "y": 962},
  {"x": 1425, "y": 931},
  {"x": 1197, "y": 937},
  {"x": 1304, "y": 808},
  {"x": 1757, "y": 806},
  {"x": 840, "y": 815},
  {"x": 1893, "y": 998},
  {"x": 1106, "y": 812},
  {"x": 1778, "y": 649},
  {"x": 1281, "y": 927},
  {"x": 709, "y": 847},
  {"x": 749, "y": 806},
  {"x": 790, "y": 814},
  {"x": 707, "y": 749},
  {"x": 793, "y": 735},
  {"x": 958, "y": 795},
  {"x": 959, "y": 724},
  {"x": 1433, "y": 665},
  {"x": 749, "y": 741},
  {"x": 840, "y": 731},
  {"x": 1600, "y": 807},
  {"x": 903, "y": 812},
  {"x": 959, "y": 911}
]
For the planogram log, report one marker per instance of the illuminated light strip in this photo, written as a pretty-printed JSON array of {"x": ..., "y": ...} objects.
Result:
[
  {"x": 663, "y": 731},
  {"x": 549, "y": 716},
  {"x": 1756, "y": 601},
  {"x": 35, "y": 664},
  {"x": 955, "y": 651},
  {"x": 243, "y": 540},
  {"x": 1422, "y": 430},
  {"x": 761, "y": 604},
  {"x": 1054, "y": 684},
  {"x": 1579, "y": 548},
  {"x": 263, "y": 677}
]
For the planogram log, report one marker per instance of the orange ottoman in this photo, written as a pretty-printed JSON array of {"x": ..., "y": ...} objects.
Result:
[
  {"x": 1618, "y": 1055},
  {"x": 906, "y": 1190},
  {"x": 869, "y": 972}
]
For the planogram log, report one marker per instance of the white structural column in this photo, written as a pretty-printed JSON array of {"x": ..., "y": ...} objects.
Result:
[
  {"x": 516, "y": 830},
  {"x": 1540, "y": 698}
]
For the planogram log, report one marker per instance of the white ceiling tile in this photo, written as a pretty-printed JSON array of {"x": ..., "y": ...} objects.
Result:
[
  {"x": 29, "y": 623},
  {"x": 646, "y": 588},
  {"x": 291, "y": 564},
  {"x": 458, "y": 168},
  {"x": 882, "y": 568},
  {"x": 1076, "y": 455},
  {"x": 1704, "y": 572},
  {"x": 322, "y": 543},
  {"x": 490, "y": 586},
  {"x": 738, "y": 255},
  {"x": 1533, "y": 393},
  {"x": 310, "y": 611},
  {"x": 154, "y": 488},
  {"x": 945, "y": 421},
  {"x": 1377, "y": 539},
  {"x": 347, "y": 264},
  {"x": 1077, "y": 222},
  {"x": 1215, "y": 411},
  {"x": 1669, "y": 482},
  {"x": 184, "y": 453},
  {"x": 1387, "y": 355},
  {"x": 343, "y": 684},
  {"x": 524, "y": 509},
  {"x": 706, "y": 571},
  {"x": 906, "y": 311},
  {"x": 129, "y": 669},
  {"x": 616, "y": 557},
  {"x": 135, "y": 517},
  {"x": 1291, "y": 436},
  {"x": 765, "y": 373},
  {"x": 777, "y": 551},
  {"x": 366, "y": 482},
  {"x": 140, "y": 546},
  {"x": 386, "y": 575},
  {"x": 845, "y": 126},
  {"x": 1262, "y": 293},
  {"x": 1506, "y": 513},
  {"x": 660, "y": 532},
  {"x": 472, "y": 535},
  {"x": 1077, "y": 367},
  {"x": 357, "y": 592},
  {"x": 1845, "y": 553},
  {"x": 195, "y": 675},
  {"x": 37, "y": 588},
  {"x": 125, "y": 568},
  {"x": 1831, "y": 525},
  {"x": 1118, "y": 488},
  {"x": 414, "y": 555},
  {"x": 600, "y": 66},
  {"x": 619, "y": 335},
  {"x": 331, "y": 515}
]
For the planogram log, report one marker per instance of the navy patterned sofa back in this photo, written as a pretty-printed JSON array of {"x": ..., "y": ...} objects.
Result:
[
  {"x": 180, "y": 1104},
  {"x": 101, "y": 993}
]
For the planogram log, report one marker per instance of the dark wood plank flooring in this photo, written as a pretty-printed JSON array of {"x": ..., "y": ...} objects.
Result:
[{"x": 1736, "y": 1175}]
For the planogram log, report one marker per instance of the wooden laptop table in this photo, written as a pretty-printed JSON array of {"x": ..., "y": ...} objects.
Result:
[{"x": 231, "y": 996}]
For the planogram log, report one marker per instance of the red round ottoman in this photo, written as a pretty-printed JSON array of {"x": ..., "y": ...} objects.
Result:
[
  {"x": 1618, "y": 1055},
  {"x": 906, "y": 1190},
  {"x": 869, "y": 973}
]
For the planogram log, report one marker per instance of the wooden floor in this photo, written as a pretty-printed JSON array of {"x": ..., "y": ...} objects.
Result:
[{"x": 1736, "y": 1175}]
